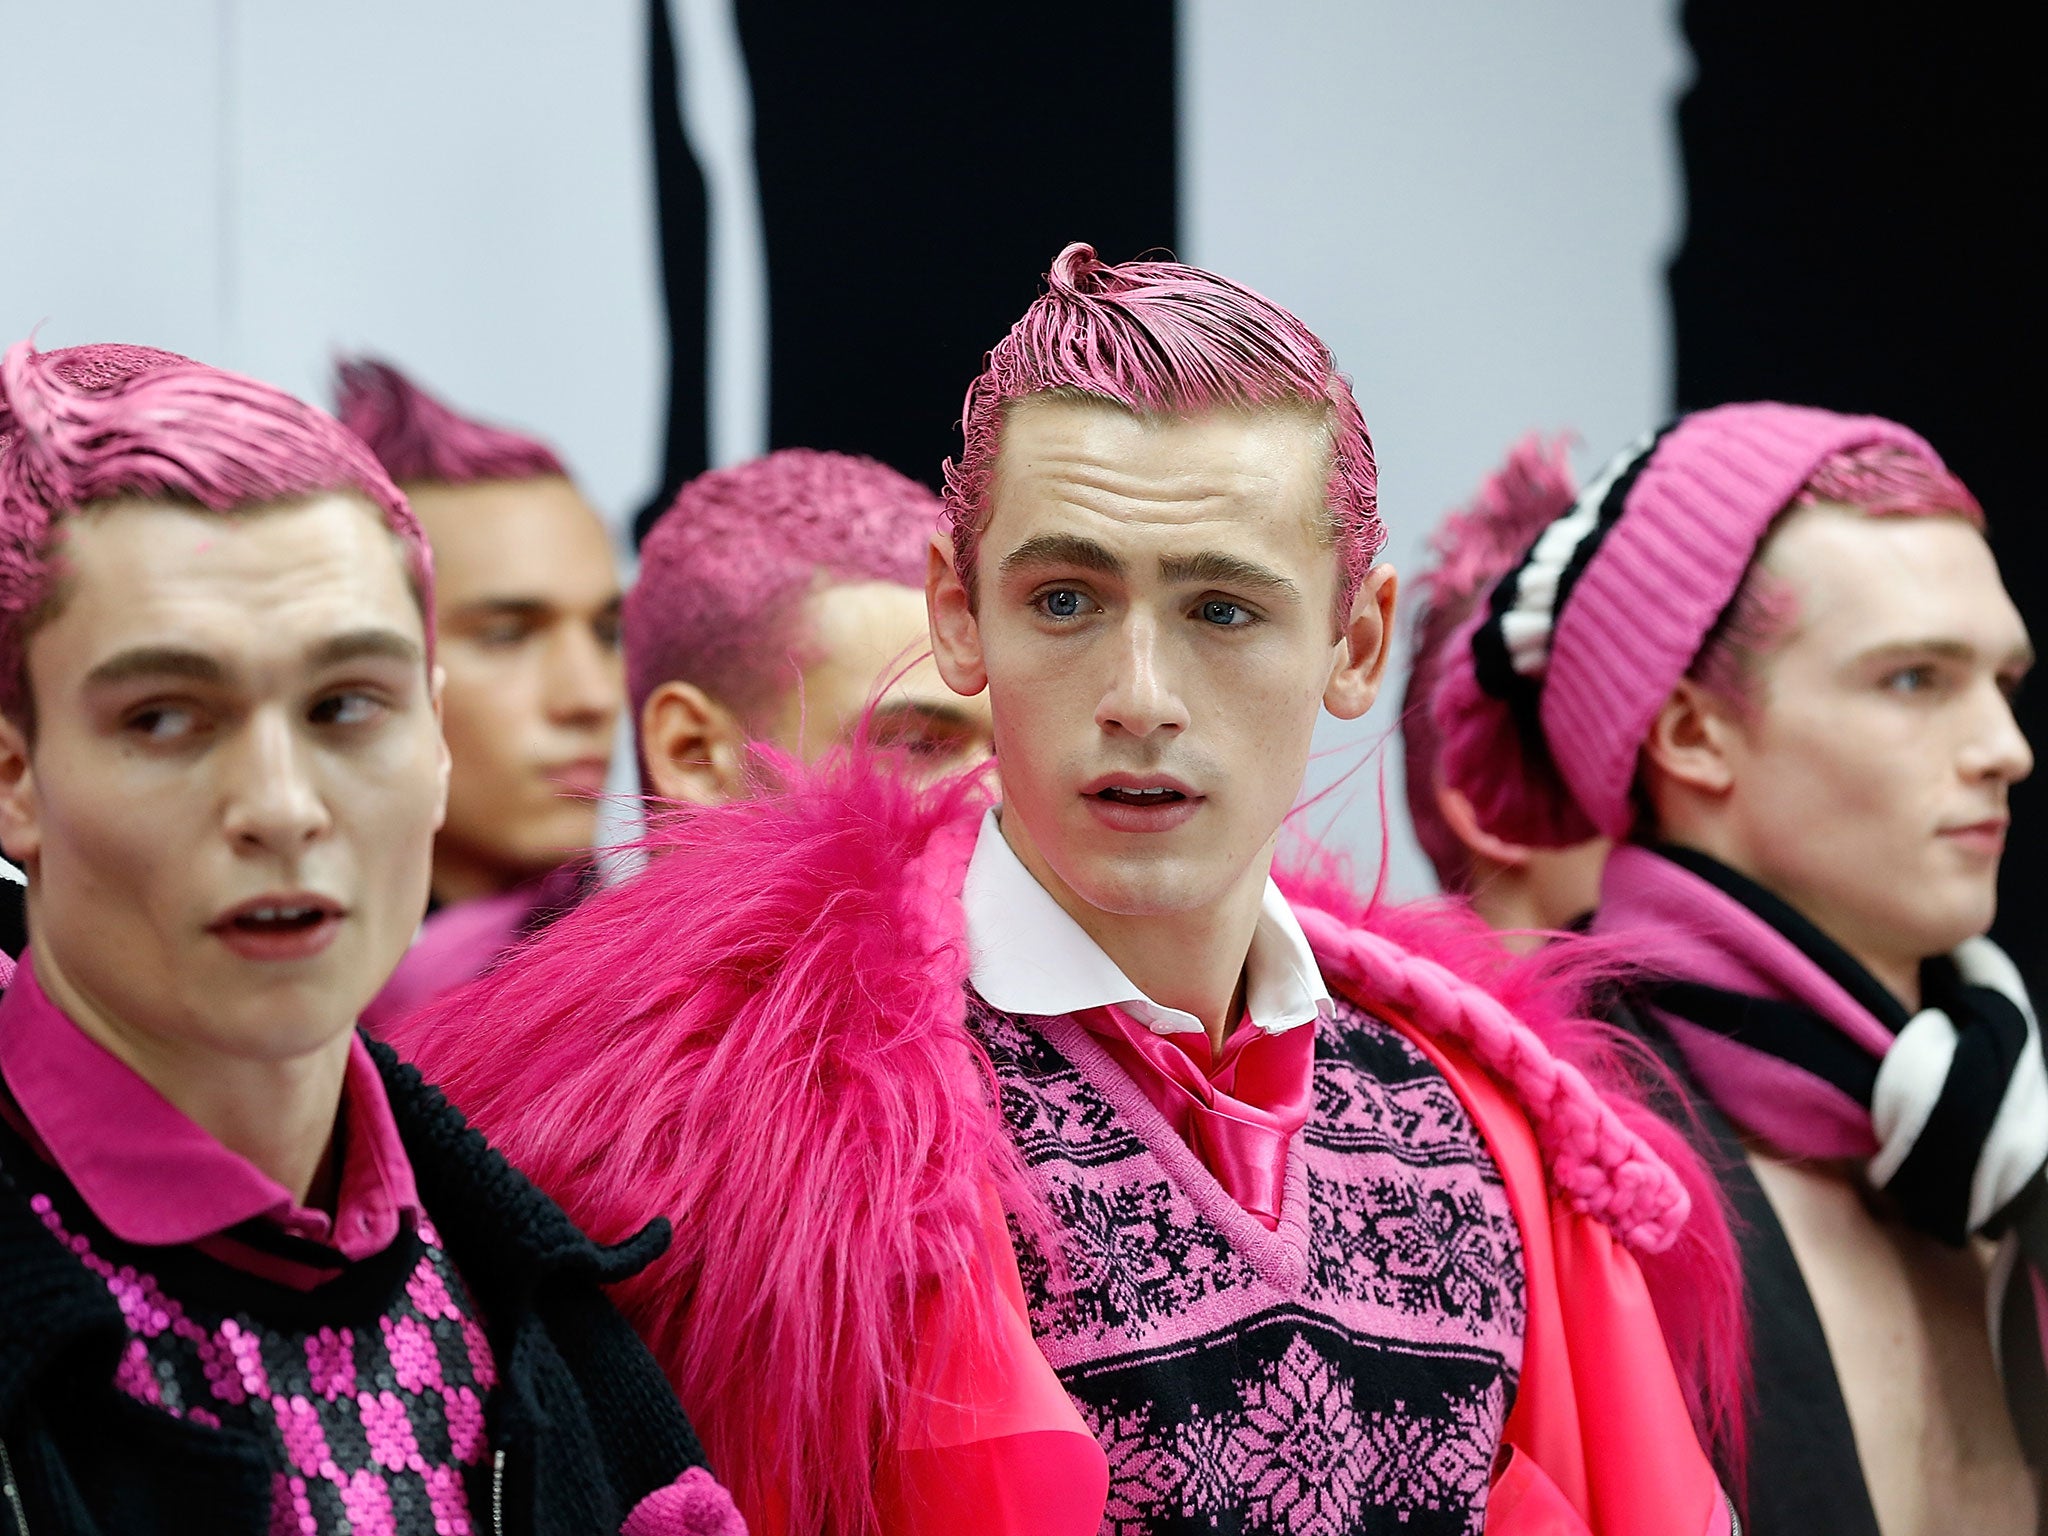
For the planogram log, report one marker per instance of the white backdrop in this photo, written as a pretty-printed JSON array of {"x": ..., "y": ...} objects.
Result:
[{"x": 1472, "y": 204}]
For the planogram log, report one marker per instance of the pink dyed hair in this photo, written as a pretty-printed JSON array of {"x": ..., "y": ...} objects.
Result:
[
  {"x": 1160, "y": 338},
  {"x": 420, "y": 441},
  {"x": 85, "y": 425},
  {"x": 724, "y": 572},
  {"x": 1877, "y": 481},
  {"x": 1472, "y": 548}
]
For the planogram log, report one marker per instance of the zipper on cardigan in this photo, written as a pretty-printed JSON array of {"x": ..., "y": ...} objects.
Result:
[
  {"x": 497, "y": 1492},
  {"x": 12, "y": 1489}
]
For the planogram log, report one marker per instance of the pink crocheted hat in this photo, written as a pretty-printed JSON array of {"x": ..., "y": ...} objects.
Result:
[{"x": 1549, "y": 690}]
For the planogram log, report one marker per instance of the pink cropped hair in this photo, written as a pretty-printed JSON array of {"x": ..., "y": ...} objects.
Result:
[
  {"x": 725, "y": 570},
  {"x": 1472, "y": 547},
  {"x": 89, "y": 424},
  {"x": 1160, "y": 338},
  {"x": 1548, "y": 692},
  {"x": 420, "y": 441}
]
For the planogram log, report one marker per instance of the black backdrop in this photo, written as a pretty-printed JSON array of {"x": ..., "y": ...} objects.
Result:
[
  {"x": 1860, "y": 180},
  {"x": 920, "y": 166}
]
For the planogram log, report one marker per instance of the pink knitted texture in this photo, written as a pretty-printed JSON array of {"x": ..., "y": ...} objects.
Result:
[
  {"x": 693, "y": 1505},
  {"x": 91, "y": 424},
  {"x": 1637, "y": 619},
  {"x": 1163, "y": 339},
  {"x": 1605, "y": 1168},
  {"x": 421, "y": 441},
  {"x": 724, "y": 571}
]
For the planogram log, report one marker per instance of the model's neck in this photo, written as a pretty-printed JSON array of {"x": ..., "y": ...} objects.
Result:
[
  {"x": 1192, "y": 960},
  {"x": 1507, "y": 901},
  {"x": 277, "y": 1115},
  {"x": 1897, "y": 973}
]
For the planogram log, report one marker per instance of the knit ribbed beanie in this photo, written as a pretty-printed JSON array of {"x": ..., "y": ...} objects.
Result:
[{"x": 1549, "y": 691}]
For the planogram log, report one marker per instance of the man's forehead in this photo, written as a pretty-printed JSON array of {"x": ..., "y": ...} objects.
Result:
[
  {"x": 154, "y": 572},
  {"x": 528, "y": 539},
  {"x": 1867, "y": 580},
  {"x": 1241, "y": 473}
]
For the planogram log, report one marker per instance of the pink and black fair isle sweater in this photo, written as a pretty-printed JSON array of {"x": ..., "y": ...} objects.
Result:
[{"x": 1349, "y": 1372}]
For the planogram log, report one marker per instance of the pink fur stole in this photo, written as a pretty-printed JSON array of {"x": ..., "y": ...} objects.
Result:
[{"x": 762, "y": 1037}]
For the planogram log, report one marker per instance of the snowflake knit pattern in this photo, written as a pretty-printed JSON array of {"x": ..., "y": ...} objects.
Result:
[
  {"x": 373, "y": 1426},
  {"x": 1350, "y": 1372}
]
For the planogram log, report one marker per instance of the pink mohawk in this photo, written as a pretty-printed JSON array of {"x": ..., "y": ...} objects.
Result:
[
  {"x": 1162, "y": 338},
  {"x": 724, "y": 569},
  {"x": 93, "y": 423},
  {"x": 1473, "y": 548},
  {"x": 420, "y": 441}
]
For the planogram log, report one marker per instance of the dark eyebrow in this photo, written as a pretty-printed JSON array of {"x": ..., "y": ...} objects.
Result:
[
  {"x": 2019, "y": 657},
  {"x": 162, "y": 661},
  {"x": 366, "y": 644},
  {"x": 1213, "y": 567},
  {"x": 1063, "y": 549},
  {"x": 504, "y": 608}
]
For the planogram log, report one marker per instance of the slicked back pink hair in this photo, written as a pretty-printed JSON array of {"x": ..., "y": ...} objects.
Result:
[
  {"x": 90, "y": 424},
  {"x": 1160, "y": 338},
  {"x": 1472, "y": 548},
  {"x": 724, "y": 572},
  {"x": 421, "y": 441}
]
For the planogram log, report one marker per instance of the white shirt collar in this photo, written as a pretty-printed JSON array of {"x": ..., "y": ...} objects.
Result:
[{"x": 1030, "y": 957}]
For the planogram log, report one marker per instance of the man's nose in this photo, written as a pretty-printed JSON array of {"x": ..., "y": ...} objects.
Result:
[
  {"x": 274, "y": 799},
  {"x": 585, "y": 683},
  {"x": 2001, "y": 750},
  {"x": 1141, "y": 697}
]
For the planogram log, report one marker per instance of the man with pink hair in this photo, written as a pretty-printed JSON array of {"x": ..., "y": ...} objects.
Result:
[
  {"x": 1047, "y": 1167},
  {"x": 781, "y": 601},
  {"x": 1768, "y": 650},
  {"x": 528, "y": 621},
  {"x": 1524, "y": 891},
  {"x": 255, "y": 1275}
]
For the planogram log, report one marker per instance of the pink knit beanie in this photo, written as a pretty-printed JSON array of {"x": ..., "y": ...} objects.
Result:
[{"x": 1549, "y": 690}]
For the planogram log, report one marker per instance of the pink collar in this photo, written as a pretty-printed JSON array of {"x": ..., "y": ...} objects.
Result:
[
  {"x": 157, "y": 1179},
  {"x": 1238, "y": 1113}
]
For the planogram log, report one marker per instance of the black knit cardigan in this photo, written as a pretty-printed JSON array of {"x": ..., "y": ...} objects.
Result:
[{"x": 582, "y": 1425}]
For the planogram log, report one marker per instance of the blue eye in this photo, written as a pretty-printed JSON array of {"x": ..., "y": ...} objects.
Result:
[
  {"x": 1910, "y": 680},
  {"x": 1224, "y": 615},
  {"x": 1061, "y": 603}
]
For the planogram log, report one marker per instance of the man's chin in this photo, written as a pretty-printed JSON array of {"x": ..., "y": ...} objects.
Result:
[{"x": 1154, "y": 887}]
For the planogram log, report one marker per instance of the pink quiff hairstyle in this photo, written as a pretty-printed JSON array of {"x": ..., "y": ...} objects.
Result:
[
  {"x": 420, "y": 441},
  {"x": 1472, "y": 547},
  {"x": 1160, "y": 338},
  {"x": 725, "y": 570},
  {"x": 86, "y": 425}
]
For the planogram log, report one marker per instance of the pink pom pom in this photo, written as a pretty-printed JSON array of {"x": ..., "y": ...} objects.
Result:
[{"x": 695, "y": 1504}]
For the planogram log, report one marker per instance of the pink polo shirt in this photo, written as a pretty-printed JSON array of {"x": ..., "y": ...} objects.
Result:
[{"x": 157, "y": 1179}]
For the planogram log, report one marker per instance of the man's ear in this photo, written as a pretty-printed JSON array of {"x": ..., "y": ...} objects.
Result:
[
  {"x": 1363, "y": 648},
  {"x": 956, "y": 631},
  {"x": 1690, "y": 741},
  {"x": 694, "y": 748},
  {"x": 21, "y": 831},
  {"x": 1459, "y": 816}
]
